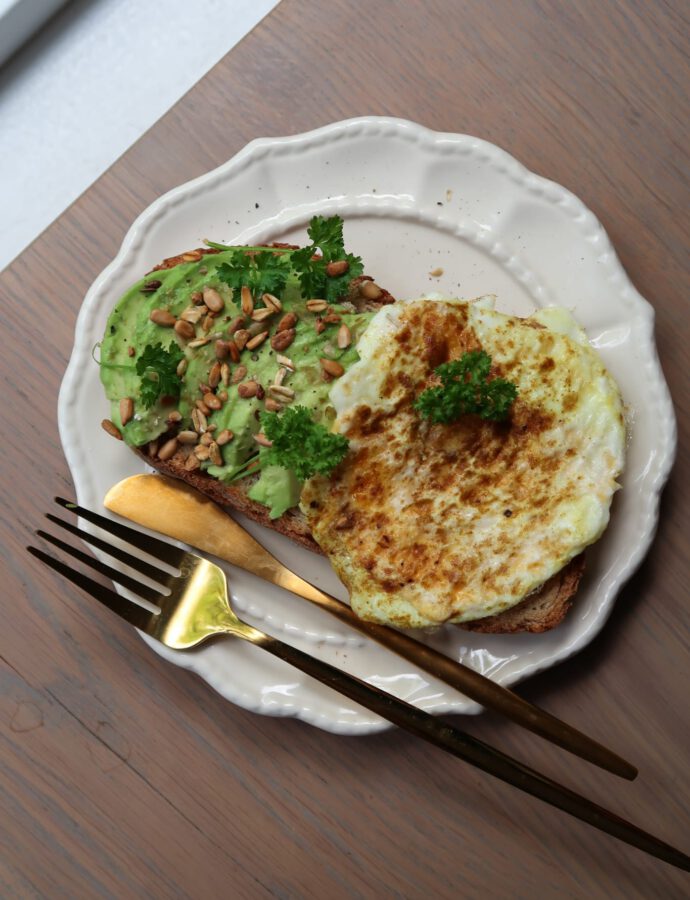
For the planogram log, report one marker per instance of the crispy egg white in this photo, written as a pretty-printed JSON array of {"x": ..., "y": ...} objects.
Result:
[{"x": 427, "y": 524}]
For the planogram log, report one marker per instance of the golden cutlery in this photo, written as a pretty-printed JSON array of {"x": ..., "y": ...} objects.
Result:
[
  {"x": 197, "y": 608},
  {"x": 173, "y": 508}
]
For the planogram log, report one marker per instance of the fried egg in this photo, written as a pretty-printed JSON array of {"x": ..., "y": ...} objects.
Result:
[{"x": 432, "y": 523}]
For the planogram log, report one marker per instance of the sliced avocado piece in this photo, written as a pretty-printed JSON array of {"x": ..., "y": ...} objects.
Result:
[{"x": 278, "y": 488}]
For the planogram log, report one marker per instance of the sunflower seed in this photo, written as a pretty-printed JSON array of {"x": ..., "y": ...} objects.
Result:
[
  {"x": 316, "y": 305},
  {"x": 337, "y": 267},
  {"x": 214, "y": 453},
  {"x": 256, "y": 341},
  {"x": 162, "y": 317},
  {"x": 212, "y": 401},
  {"x": 241, "y": 338},
  {"x": 236, "y": 323},
  {"x": 285, "y": 361},
  {"x": 344, "y": 337},
  {"x": 224, "y": 437},
  {"x": 262, "y": 440},
  {"x": 126, "y": 410},
  {"x": 281, "y": 392},
  {"x": 246, "y": 301},
  {"x": 283, "y": 339},
  {"x": 288, "y": 321},
  {"x": 239, "y": 373},
  {"x": 188, "y": 437},
  {"x": 331, "y": 367},
  {"x": 213, "y": 300},
  {"x": 214, "y": 375},
  {"x": 184, "y": 329},
  {"x": 111, "y": 428},
  {"x": 191, "y": 314},
  {"x": 168, "y": 449},
  {"x": 272, "y": 302},
  {"x": 199, "y": 421},
  {"x": 248, "y": 389}
]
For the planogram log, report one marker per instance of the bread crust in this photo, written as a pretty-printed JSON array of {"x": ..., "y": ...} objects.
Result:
[
  {"x": 234, "y": 497},
  {"x": 541, "y": 610}
]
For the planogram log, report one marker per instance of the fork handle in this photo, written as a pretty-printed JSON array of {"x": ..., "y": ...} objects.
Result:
[{"x": 448, "y": 737}]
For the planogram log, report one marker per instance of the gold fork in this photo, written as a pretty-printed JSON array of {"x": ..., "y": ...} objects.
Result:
[{"x": 196, "y": 607}]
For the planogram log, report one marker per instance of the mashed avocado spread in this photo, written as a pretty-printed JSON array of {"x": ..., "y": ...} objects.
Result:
[{"x": 241, "y": 353}]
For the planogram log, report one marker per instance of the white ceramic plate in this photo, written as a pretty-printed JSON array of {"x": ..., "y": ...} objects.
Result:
[{"x": 414, "y": 201}]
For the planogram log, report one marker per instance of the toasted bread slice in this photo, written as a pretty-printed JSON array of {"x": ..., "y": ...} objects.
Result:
[{"x": 543, "y": 610}]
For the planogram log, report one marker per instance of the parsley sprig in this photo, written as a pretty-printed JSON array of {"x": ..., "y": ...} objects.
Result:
[
  {"x": 267, "y": 270},
  {"x": 301, "y": 444},
  {"x": 465, "y": 388},
  {"x": 311, "y": 262},
  {"x": 263, "y": 272},
  {"x": 157, "y": 367}
]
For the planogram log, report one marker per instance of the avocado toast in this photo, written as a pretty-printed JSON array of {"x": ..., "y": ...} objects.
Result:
[
  {"x": 210, "y": 340},
  {"x": 211, "y": 348}
]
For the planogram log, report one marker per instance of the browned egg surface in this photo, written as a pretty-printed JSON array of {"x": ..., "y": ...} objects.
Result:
[{"x": 429, "y": 523}]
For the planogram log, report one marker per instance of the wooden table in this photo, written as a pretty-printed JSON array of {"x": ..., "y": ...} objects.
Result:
[{"x": 123, "y": 776}]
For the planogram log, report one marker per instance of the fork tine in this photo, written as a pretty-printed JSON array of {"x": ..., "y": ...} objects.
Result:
[
  {"x": 128, "y": 559},
  {"x": 130, "y": 612},
  {"x": 162, "y": 550},
  {"x": 131, "y": 584}
]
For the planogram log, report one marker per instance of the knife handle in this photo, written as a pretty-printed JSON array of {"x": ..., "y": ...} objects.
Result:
[
  {"x": 461, "y": 677},
  {"x": 446, "y": 736}
]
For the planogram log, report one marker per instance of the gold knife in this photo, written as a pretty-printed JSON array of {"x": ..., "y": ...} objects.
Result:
[{"x": 175, "y": 509}]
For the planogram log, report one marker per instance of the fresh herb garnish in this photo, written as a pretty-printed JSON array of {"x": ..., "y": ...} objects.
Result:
[
  {"x": 157, "y": 367},
  {"x": 267, "y": 270},
  {"x": 301, "y": 444},
  {"x": 464, "y": 389},
  {"x": 327, "y": 241},
  {"x": 263, "y": 272}
]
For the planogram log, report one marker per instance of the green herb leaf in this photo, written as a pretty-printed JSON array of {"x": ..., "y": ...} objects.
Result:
[
  {"x": 267, "y": 271},
  {"x": 327, "y": 235},
  {"x": 465, "y": 388},
  {"x": 337, "y": 286},
  {"x": 300, "y": 444},
  {"x": 157, "y": 367},
  {"x": 328, "y": 246},
  {"x": 262, "y": 272}
]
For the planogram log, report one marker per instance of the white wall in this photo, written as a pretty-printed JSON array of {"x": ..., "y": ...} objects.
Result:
[{"x": 86, "y": 87}]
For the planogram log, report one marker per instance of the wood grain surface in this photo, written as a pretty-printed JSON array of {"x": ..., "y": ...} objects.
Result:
[{"x": 122, "y": 776}]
